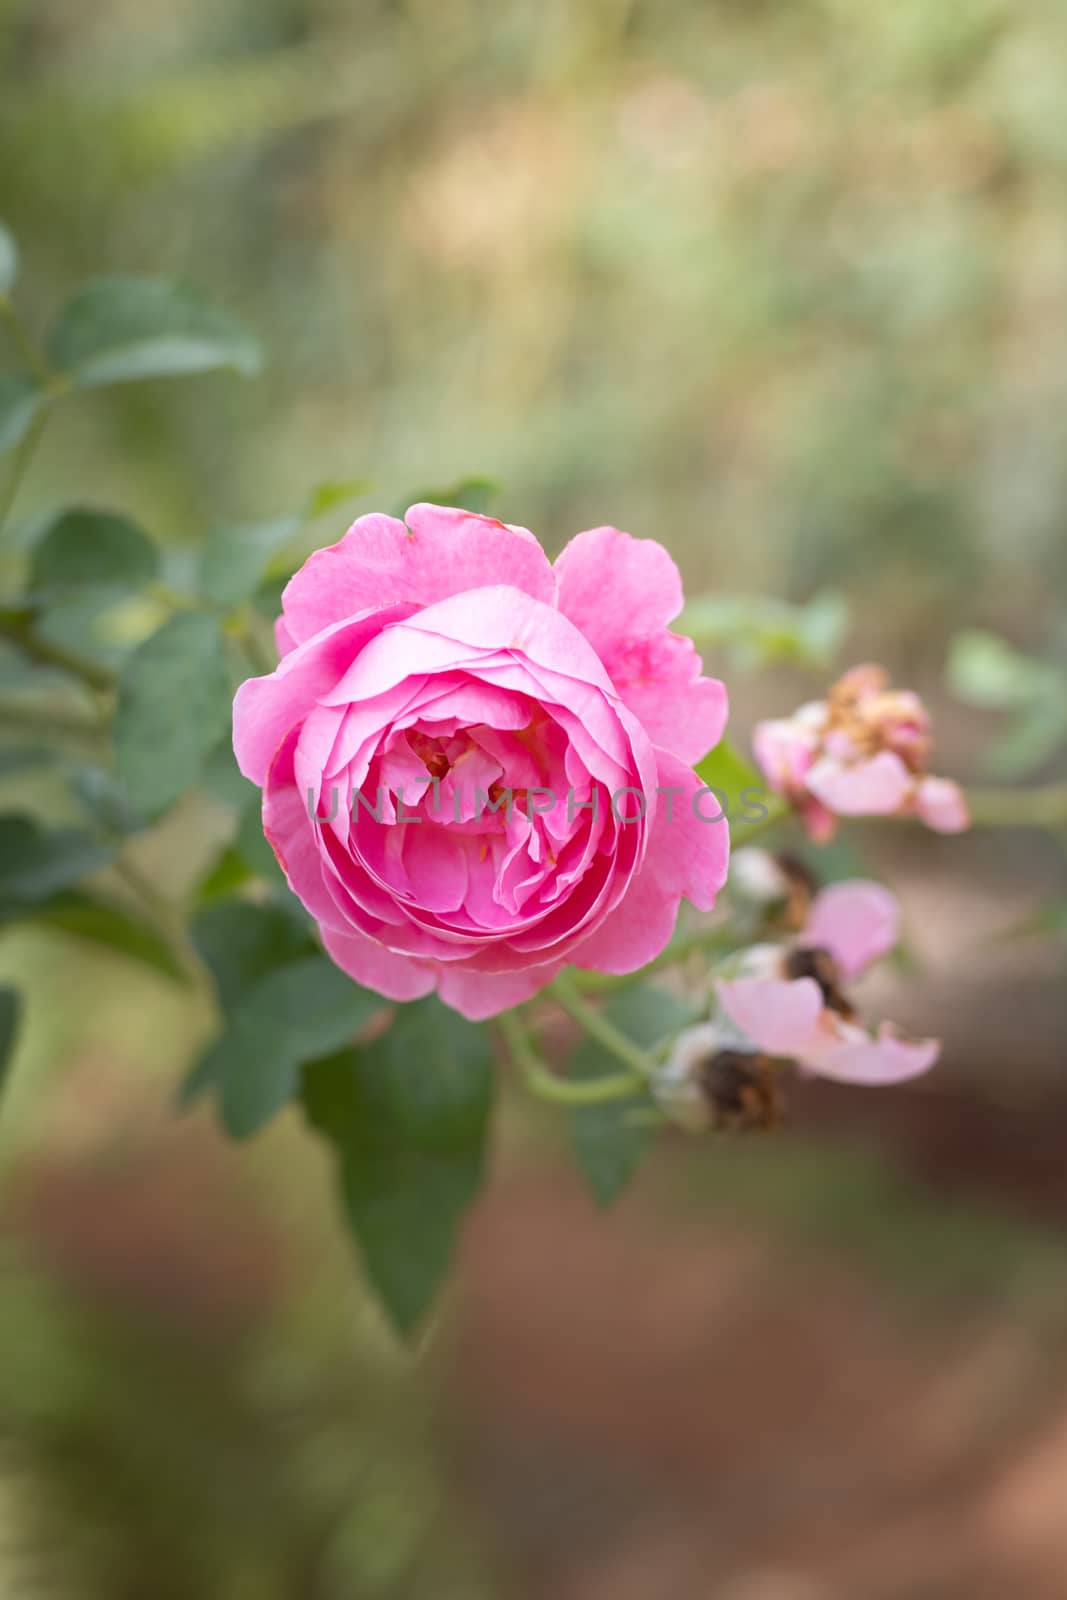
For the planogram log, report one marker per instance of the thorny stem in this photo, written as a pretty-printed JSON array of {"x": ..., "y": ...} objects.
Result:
[{"x": 561, "y": 1091}]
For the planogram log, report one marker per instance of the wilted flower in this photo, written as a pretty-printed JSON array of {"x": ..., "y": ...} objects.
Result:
[
  {"x": 776, "y": 884},
  {"x": 715, "y": 1078},
  {"x": 861, "y": 752},
  {"x": 788, "y": 1000}
]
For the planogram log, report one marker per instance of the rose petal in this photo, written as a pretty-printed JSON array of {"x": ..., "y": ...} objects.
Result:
[
  {"x": 857, "y": 922},
  {"x": 282, "y": 637},
  {"x": 847, "y": 1054},
  {"x": 819, "y": 822},
  {"x": 685, "y": 856},
  {"x": 611, "y": 584},
  {"x": 477, "y": 995},
  {"x": 660, "y": 680},
  {"x": 942, "y": 806},
  {"x": 397, "y": 977},
  {"x": 784, "y": 748},
  {"x": 874, "y": 788},
  {"x": 265, "y": 709},
  {"x": 779, "y": 1015},
  {"x": 621, "y": 592},
  {"x": 380, "y": 562}
]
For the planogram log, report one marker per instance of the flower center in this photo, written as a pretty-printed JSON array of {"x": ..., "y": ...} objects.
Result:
[{"x": 430, "y": 752}]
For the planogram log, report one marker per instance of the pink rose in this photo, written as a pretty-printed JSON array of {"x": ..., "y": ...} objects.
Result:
[
  {"x": 861, "y": 752},
  {"x": 476, "y": 765},
  {"x": 789, "y": 1002}
]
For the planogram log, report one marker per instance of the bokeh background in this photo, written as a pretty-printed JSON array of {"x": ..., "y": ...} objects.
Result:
[{"x": 782, "y": 283}]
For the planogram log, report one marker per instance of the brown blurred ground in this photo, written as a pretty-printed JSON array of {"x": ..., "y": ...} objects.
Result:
[{"x": 652, "y": 1416}]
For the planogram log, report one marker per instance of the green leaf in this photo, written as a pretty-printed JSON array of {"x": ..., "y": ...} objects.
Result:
[
  {"x": 9, "y": 260},
  {"x": 610, "y": 1140},
  {"x": 234, "y": 559},
  {"x": 174, "y": 703},
  {"x": 201, "y": 1080},
  {"x": 738, "y": 785},
  {"x": 294, "y": 1013},
  {"x": 105, "y": 923},
  {"x": 325, "y": 496},
  {"x": 268, "y": 597},
  {"x": 229, "y": 872},
  {"x": 82, "y": 621},
  {"x": 254, "y": 848},
  {"x": 470, "y": 494},
  {"x": 18, "y": 758},
  {"x": 1035, "y": 735},
  {"x": 223, "y": 778},
  {"x": 104, "y": 799},
  {"x": 409, "y": 1115},
  {"x": 254, "y": 1075},
  {"x": 984, "y": 670},
  {"x": 20, "y": 402},
  {"x": 36, "y": 862},
  {"x": 10, "y": 1017},
  {"x": 118, "y": 330},
  {"x": 242, "y": 942},
  {"x": 82, "y": 548},
  {"x": 1050, "y": 919}
]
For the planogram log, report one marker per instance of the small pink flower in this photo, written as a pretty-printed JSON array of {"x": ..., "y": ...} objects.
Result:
[
  {"x": 862, "y": 752},
  {"x": 442, "y": 747},
  {"x": 787, "y": 1001}
]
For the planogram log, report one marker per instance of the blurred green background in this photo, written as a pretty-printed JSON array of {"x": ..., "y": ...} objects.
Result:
[{"x": 783, "y": 285}]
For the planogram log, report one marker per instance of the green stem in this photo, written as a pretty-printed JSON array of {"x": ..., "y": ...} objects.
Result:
[
  {"x": 1043, "y": 807},
  {"x": 53, "y": 385},
  {"x": 561, "y": 1091},
  {"x": 23, "y": 716},
  {"x": 18, "y": 630},
  {"x": 568, "y": 996},
  {"x": 20, "y": 463},
  {"x": 25, "y": 346},
  {"x": 169, "y": 923}
]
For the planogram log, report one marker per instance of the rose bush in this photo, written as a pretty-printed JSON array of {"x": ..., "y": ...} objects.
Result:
[
  {"x": 476, "y": 765},
  {"x": 476, "y": 770}
]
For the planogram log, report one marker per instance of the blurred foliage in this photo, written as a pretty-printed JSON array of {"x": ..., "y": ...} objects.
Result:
[
  {"x": 985, "y": 671},
  {"x": 778, "y": 283},
  {"x": 216, "y": 1446},
  {"x": 759, "y": 633},
  {"x": 609, "y": 1141}
]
